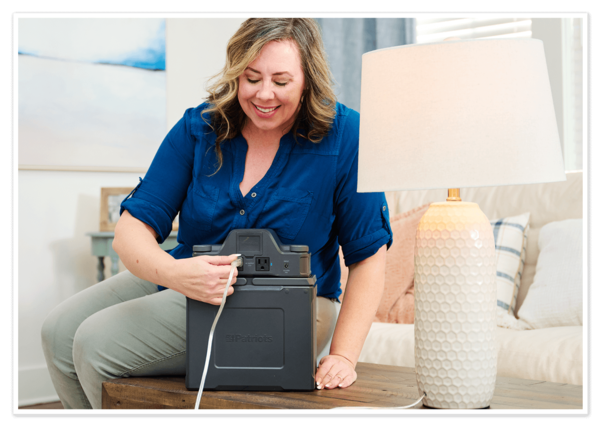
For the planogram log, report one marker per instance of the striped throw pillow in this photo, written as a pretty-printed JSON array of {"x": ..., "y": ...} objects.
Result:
[{"x": 510, "y": 237}]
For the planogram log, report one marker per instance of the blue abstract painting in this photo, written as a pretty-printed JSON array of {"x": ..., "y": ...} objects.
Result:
[{"x": 91, "y": 92}]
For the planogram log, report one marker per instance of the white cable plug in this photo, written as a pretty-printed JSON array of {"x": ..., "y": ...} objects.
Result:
[{"x": 236, "y": 263}]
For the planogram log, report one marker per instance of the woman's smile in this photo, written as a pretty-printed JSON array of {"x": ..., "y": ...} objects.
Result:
[{"x": 266, "y": 112}]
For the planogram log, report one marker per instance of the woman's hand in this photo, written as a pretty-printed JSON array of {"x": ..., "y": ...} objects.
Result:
[
  {"x": 334, "y": 371},
  {"x": 203, "y": 278},
  {"x": 200, "y": 278}
]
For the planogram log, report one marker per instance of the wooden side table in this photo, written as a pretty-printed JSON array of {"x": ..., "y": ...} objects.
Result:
[
  {"x": 377, "y": 386},
  {"x": 102, "y": 247}
]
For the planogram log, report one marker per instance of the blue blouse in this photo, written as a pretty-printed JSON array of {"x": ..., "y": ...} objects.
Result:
[{"x": 308, "y": 195}]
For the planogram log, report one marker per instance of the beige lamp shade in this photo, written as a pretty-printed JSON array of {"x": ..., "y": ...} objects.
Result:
[{"x": 457, "y": 114}]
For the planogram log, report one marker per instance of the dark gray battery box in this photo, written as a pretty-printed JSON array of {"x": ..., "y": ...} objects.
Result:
[{"x": 265, "y": 338}]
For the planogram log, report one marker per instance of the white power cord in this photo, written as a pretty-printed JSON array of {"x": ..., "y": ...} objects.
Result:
[
  {"x": 237, "y": 262},
  {"x": 382, "y": 408}
]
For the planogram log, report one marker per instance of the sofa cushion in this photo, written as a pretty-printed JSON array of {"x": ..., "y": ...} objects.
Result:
[
  {"x": 555, "y": 298},
  {"x": 551, "y": 354},
  {"x": 390, "y": 344}
]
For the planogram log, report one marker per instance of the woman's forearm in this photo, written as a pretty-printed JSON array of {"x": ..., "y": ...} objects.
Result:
[
  {"x": 361, "y": 300},
  {"x": 135, "y": 243},
  {"x": 202, "y": 278}
]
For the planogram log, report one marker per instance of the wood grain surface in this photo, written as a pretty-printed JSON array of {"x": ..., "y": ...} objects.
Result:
[{"x": 377, "y": 386}]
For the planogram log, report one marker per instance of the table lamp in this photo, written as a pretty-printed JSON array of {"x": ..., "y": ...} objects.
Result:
[{"x": 455, "y": 114}]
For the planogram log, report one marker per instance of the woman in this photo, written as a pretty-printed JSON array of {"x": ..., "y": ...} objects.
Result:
[{"x": 270, "y": 149}]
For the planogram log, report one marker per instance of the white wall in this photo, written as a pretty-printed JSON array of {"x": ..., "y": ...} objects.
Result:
[
  {"x": 57, "y": 208},
  {"x": 195, "y": 52}
]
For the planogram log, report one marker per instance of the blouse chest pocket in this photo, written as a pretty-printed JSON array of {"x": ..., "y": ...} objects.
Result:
[
  {"x": 199, "y": 206},
  {"x": 286, "y": 211}
]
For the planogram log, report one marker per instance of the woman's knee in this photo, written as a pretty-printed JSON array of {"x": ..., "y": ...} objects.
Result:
[
  {"x": 88, "y": 343},
  {"x": 57, "y": 339},
  {"x": 130, "y": 336},
  {"x": 100, "y": 346},
  {"x": 64, "y": 321},
  {"x": 49, "y": 334}
]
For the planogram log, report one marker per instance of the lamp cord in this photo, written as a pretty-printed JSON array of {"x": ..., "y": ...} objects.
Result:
[
  {"x": 383, "y": 408},
  {"x": 234, "y": 264}
]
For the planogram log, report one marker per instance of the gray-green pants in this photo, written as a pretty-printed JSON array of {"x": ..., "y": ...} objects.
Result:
[{"x": 124, "y": 327}]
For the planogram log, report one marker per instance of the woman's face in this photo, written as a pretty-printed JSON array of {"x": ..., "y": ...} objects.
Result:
[{"x": 271, "y": 87}]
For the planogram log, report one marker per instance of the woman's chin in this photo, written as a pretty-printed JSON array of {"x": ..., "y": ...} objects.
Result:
[{"x": 268, "y": 126}]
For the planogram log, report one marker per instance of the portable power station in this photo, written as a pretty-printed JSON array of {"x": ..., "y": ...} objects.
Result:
[{"x": 265, "y": 338}]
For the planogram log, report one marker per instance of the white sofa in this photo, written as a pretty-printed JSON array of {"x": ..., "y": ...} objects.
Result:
[{"x": 551, "y": 354}]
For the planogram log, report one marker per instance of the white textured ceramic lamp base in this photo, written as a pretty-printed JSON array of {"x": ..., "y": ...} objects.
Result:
[{"x": 455, "y": 306}]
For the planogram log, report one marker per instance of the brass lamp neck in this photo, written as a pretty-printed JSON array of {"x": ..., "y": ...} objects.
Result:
[{"x": 453, "y": 194}]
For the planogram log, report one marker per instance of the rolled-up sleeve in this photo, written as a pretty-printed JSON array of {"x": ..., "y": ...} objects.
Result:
[
  {"x": 158, "y": 197},
  {"x": 362, "y": 219}
]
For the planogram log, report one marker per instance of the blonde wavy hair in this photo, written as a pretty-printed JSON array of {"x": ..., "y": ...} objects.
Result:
[{"x": 317, "y": 109}]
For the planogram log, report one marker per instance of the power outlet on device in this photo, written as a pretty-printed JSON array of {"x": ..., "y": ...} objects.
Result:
[{"x": 263, "y": 264}]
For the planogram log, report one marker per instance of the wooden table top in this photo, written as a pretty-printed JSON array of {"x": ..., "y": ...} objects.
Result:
[{"x": 377, "y": 386}]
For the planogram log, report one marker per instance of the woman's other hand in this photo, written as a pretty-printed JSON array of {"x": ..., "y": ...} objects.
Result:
[
  {"x": 203, "y": 278},
  {"x": 334, "y": 371}
]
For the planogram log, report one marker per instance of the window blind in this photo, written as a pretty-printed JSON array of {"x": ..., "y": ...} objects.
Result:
[{"x": 431, "y": 30}]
